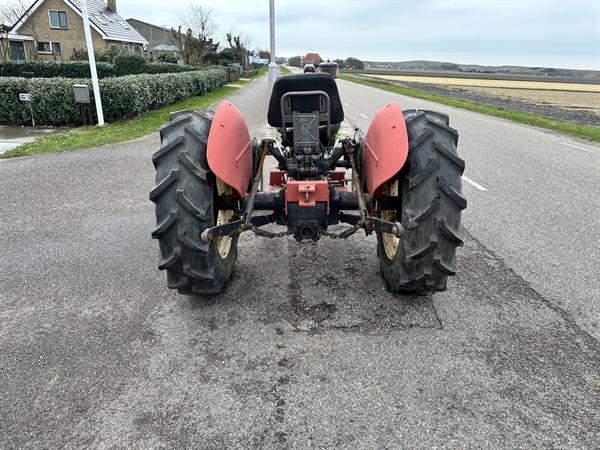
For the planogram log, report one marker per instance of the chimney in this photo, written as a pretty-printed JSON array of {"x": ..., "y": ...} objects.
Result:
[{"x": 112, "y": 5}]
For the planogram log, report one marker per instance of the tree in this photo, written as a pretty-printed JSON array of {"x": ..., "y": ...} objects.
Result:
[
  {"x": 4, "y": 47},
  {"x": 264, "y": 54},
  {"x": 295, "y": 61},
  {"x": 239, "y": 46},
  {"x": 196, "y": 42},
  {"x": 353, "y": 63},
  {"x": 9, "y": 15},
  {"x": 340, "y": 62}
]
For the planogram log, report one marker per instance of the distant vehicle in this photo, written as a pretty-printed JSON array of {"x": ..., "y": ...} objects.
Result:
[
  {"x": 309, "y": 68},
  {"x": 329, "y": 67}
]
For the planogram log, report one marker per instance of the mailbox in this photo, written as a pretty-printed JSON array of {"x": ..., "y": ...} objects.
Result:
[{"x": 82, "y": 93}]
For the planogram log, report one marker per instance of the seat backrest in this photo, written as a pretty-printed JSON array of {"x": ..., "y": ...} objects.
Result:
[{"x": 305, "y": 103}]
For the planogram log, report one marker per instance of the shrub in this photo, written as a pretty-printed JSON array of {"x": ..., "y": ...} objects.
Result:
[
  {"x": 122, "y": 97},
  {"x": 51, "y": 69},
  {"x": 167, "y": 58},
  {"x": 79, "y": 55},
  {"x": 108, "y": 54},
  {"x": 127, "y": 63},
  {"x": 12, "y": 110},
  {"x": 165, "y": 67}
]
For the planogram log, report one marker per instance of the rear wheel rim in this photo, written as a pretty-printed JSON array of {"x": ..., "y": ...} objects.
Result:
[
  {"x": 390, "y": 242},
  {"x": 224, "y": 242}
]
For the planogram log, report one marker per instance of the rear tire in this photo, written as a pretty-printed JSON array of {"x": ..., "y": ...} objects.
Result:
[
  {"x": 185, "y": 196},
  {"x": 429, "y": 207}
]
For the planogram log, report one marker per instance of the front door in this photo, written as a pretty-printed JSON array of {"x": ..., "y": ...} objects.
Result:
[{"x": 17, "y": 50}]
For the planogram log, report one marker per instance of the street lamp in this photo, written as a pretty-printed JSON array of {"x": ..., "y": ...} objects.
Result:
[
  {"x": 272, "y": 64},
  {"x": 92, "y": 61}
]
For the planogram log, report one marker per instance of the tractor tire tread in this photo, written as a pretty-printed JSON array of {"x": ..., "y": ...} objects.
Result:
[
  {"x": 431, "y": 205},
  {"x": 184, "y": 199},
  {"x": 164, "y": 226},
  {"x": 416, "y": 180},
  {"x": 166, "y": 149},
  {"x": 164, "y": 184}
]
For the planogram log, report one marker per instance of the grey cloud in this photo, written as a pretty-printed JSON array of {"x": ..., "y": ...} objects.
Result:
[{"x": 544, "y": 33}]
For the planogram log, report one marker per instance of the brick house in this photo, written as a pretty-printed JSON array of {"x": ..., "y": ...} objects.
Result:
[
  {"x": 53, "y": 30},
  {"x": 312, "y": 58}
]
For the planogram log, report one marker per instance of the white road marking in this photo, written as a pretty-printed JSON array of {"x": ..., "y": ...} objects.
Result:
[
  {"x": 580, "y": 148},
  {"x": 364, "y": 115},
  {"x": 346, "y": 104},
  {"x": 483, "y": 120},
  {"x": 475, "y": 185}
]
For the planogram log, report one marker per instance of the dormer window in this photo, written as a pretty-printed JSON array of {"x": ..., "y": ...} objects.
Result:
[{"x": 58, "y": 19}]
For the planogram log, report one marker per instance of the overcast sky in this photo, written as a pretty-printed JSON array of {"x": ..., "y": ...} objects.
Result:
[{"x": 560, "y": 33}]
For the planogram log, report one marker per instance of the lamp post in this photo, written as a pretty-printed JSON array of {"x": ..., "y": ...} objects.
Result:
[
  {"x": 272, "y": 64},
  {"x": 92, "y": 61}
]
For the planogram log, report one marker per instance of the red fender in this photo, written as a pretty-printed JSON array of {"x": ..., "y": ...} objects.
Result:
[
  {"x": 229, "y": 150},
  {"x": 386, "y": 147}
]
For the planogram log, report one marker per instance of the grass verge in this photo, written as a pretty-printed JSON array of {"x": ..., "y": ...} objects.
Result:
[
  {"x": 583, "y": 131},
  {"x": 125, "y": 130},
  {"x": 283, "y": 70}
]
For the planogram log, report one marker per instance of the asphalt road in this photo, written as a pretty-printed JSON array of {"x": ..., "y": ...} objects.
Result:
[
  {"x": 95, "y": 351},
  {"x": 534, "y": 199}
]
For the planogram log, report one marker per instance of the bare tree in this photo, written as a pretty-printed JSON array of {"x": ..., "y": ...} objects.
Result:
[
  {"x": 239, "y": 45},
  {"x": 264, "y": 54},
  {"x": 9, "y": 15},
  {"x": 196, "y": 42}
]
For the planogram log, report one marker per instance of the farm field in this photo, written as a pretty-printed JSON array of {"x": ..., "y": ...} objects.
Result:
[
  {"x": 506, "y": 84},
  {"x": 573, "y": 102},
  {"x": 563, "y": 98}
]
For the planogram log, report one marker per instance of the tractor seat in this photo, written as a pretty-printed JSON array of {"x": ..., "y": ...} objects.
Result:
[{"x": 303, "y": 83}]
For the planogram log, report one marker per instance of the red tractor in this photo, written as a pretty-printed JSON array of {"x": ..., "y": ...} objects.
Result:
[{"x": 404, "y": 186}]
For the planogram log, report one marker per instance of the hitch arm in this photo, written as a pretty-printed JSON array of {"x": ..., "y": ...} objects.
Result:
[
  {"x": 237, "y": 227},
  {"x": 369, "y": 223}
]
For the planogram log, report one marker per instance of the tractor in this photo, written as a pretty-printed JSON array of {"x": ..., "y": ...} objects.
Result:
[{"x": 400, "y": 181}]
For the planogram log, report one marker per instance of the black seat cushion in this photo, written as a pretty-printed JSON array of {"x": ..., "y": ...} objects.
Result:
[{"x": 305, "y": 82}]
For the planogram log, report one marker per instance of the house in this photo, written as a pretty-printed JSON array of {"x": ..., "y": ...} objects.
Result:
[
  {"x": 53, "y": 30},
  {"x": 160, "y": 39},
  {"x": 312, "y": 58}
]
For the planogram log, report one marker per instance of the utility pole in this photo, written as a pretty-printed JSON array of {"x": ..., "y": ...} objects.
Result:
[
  {"x": 92, "y": 61},
  {"x": 272, "y": 64}
]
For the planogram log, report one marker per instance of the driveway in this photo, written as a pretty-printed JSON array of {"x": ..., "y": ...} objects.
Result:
[{"x": 11, "y": 137}]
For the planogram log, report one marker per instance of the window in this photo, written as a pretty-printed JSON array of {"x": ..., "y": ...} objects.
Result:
[
  {"x": 58, "y": 19},
  {"x": 44, "y": 47},
  {"x": 49, "y": 47}
]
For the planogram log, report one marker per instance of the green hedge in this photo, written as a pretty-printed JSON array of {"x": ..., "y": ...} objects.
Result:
[
  {"x": 124, "y": 65},
  {"x": 51, "y": 69},
  {"x": 122, "y": 97}
]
